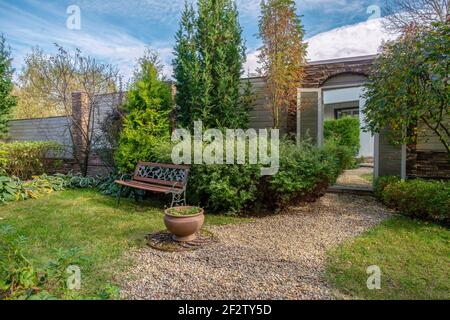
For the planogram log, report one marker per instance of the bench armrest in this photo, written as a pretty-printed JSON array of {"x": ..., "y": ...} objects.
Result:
[
  {"x": 126, "y": 176},
  {"x": 177, "y": 190}
]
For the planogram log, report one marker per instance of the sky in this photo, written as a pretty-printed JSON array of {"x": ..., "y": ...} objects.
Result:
[{"x": 117, "y": 31}]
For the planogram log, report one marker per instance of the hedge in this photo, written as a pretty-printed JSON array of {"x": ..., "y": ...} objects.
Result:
[
  {"x": 416, "y": 198},
  {"x": 344, "y": 131},
  {"x": 305, "y": 172},
  {"x": 25, "y": 159}
]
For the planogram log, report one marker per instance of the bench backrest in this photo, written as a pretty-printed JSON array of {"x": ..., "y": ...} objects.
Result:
[{"x": 162, "y": 174}]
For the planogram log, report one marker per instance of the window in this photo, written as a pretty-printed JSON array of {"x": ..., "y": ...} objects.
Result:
[{"x": 352, "y": 112}]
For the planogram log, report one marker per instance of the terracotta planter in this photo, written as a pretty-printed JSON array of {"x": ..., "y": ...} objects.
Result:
[{"x": 184, "y": 228}]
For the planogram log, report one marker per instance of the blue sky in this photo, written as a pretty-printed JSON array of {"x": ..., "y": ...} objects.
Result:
[{"x": 117, "y": 31}]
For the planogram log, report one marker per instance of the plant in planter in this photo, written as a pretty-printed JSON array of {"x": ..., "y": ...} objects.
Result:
[{"x": 184, "y": 222}]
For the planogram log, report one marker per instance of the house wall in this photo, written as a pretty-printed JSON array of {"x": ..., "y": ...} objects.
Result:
[
  {"x": 309, "y": 116},
  {"x": 389, "y": 157},
  {"x": 428, "y": 158},
  {"x": 261, "y": 116}
]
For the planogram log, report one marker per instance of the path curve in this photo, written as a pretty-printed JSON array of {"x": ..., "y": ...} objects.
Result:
[{"x": 276, "y": 257}]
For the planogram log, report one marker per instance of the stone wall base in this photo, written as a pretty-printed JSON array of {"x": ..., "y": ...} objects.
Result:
[{"x": 428, "y": 165}]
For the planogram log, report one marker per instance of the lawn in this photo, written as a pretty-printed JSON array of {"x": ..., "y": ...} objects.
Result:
[
  {"x": 368, "y": 177},
  {"x": 91, "y": 222},
  {"x": 413, "y": 257}
]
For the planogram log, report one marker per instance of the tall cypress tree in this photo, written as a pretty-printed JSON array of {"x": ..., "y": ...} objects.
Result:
[
  {"x": 209, "y": 55},
  {"x": 7, "y": 101}
]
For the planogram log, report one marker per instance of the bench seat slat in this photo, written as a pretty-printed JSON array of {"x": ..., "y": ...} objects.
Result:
[{"x": 145, "y": 186}]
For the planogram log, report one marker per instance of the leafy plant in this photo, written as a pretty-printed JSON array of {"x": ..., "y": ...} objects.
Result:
[
  {"x": 408, "y": 86},
  {"x": 25, "y": 159},
  {"x": 18, "y": 278},
  {"x": 344, "y": 131},
  {"x": 429, "y": 200},
  {"x": 12, "y": 189},
  {"x": 184, "y": 211}
]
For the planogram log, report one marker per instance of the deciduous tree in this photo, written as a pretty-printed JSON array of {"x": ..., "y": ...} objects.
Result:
[
  {"x": 409, "y": 85},
  {"x": 282, "y": 55}
]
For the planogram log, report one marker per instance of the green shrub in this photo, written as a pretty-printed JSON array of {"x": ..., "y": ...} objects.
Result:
[
  {"x": 223, "y": 188},
  {"x": 381, "y": 183},
  {"x": 25, "y": 159},
  {"x": 305, "y": 172},
  {"x": 429, "y": 200},
  {"x": 345, "y": 131}
]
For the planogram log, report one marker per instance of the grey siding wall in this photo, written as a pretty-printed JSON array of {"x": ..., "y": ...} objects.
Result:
[
  {"x": 427, "y": 140},
  {"x": 261, "y": 116},
  {"x": 44, "y": 129},
  {"x": 390, "y": 156},
  {"x": 57, "y": 128},
  {"x": 309, "y": 114}
]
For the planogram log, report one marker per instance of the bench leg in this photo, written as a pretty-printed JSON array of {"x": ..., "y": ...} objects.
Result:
[
  {"x": 178, "y": 199},
  {"x": 119, "y": 194}
]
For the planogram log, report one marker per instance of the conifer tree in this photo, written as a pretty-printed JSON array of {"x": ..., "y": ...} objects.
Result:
[
  {"x": 209, "y": 57},
  {"x": 7, "y": 101}
]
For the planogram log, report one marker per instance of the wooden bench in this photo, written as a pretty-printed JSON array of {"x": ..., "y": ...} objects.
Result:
[{"x": 159, "y": 177}]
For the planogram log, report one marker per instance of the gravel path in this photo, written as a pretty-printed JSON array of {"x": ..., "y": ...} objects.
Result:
[
  {"x": 353, "y": 178},
  {"x": 276, "y": 257}
]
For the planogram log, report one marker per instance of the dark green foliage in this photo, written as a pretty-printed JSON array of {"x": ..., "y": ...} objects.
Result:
[
  {"x": 149, "y": 104},
  {"x": 305, "y": 171},
  {"x": 25, "y": 159},
  {"x": 7, "y": 101},
  {"x": 209, "y": 55},
  {"x": 429, "y": 200},
  {"x": 345, "y": 131},
  {"x": 224, "y": 188}
]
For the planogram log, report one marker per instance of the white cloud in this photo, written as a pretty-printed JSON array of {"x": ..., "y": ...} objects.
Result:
[{"x": 360, "y": 39}]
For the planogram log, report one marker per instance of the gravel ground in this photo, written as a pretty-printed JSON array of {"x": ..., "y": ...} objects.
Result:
[
  {"x": 354, "y": 178},
  {"x": 276, "y": 257}
]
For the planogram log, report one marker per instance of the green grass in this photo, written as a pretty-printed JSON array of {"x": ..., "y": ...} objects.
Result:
[
  {"x": 93, "y": 223},
  {"x": 368, "y": 177},
  {"x": 413, "y": 257}
]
